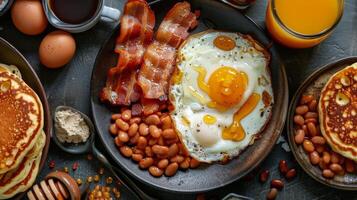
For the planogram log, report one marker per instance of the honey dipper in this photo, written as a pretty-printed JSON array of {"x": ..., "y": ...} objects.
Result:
[{"x": 56, "y": 186}]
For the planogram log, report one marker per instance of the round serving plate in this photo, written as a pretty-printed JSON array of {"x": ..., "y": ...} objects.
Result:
[
  {"x": 219, "y": 16},
  {"x": 314, "y": 84},
  {"x": 11, "y": 56}
]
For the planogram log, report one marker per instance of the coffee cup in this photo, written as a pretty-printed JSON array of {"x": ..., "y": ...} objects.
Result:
[{"x": 54, "y": 12}]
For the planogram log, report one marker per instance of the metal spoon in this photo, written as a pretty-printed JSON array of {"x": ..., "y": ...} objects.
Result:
[{"x": 89, "y": 147}]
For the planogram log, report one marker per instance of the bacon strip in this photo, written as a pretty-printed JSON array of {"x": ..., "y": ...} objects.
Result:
[
  {"x": 159, "y": 58},
  {"x": 136, "y": 33}
]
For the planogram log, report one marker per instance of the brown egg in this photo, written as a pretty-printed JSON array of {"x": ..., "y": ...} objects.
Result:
[
  {"x": 57, "y": 49},
  {"x": 28, "y": 16}
]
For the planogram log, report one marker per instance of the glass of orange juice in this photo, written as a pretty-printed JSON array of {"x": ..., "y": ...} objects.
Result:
[{"x": 301, "y": 23}]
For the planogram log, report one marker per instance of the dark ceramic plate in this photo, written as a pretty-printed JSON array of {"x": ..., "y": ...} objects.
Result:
[
  {"x": 213, "y": 15},
  {"x": 314, "y": 84},
  {"x": 9, "y": 55}
]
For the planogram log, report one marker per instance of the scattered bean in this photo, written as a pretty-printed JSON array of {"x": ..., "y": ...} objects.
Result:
[
  {"x": 264, "y": 176},
  {"x": 290, "y": 174},
  {"x": 272, "y": 194},
  {"x": 277, "y": 183},
  {"x": 283, "y": 166}
]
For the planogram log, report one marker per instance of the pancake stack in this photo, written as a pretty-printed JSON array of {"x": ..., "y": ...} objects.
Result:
[
  {"x": 338, "y": 112},
  {"x": 21, "y": 133}
]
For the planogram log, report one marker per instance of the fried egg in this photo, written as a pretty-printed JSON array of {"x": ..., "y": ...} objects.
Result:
[{"x": 221, "y": 94}]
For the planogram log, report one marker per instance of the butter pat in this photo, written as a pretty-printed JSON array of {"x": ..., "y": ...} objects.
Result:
[{"x": 71, "y": 127}]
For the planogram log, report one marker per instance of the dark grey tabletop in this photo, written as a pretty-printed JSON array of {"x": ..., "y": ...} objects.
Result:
[{"x": 70, "y": 86}]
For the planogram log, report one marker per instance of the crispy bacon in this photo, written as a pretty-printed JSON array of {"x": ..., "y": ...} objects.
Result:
[
  {"x": 159, "y": 58},
  {"x": 136, "y": 33}
]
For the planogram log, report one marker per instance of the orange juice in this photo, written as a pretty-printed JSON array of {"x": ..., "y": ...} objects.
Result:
[{"x": 300, "y": 23}]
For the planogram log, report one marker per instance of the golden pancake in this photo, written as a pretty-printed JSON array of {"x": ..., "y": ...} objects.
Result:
[
  {"x": 10, "y": 68},
  {"x": 21, "y": 120},
  {"x": 17, "y": 175},
  {"x": 338, "y": 112}
]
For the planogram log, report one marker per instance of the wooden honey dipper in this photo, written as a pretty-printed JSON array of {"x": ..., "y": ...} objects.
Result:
[{"x": 56, "y": 186}]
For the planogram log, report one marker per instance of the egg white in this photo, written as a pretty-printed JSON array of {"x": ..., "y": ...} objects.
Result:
[{"x": 199, "y": 51}]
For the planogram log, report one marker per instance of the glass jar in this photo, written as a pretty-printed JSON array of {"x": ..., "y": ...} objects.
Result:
[{"x": 302, "y": 24}]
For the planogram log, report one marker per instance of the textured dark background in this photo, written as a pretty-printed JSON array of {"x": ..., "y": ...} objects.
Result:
[{"x": 70, "y": 86}]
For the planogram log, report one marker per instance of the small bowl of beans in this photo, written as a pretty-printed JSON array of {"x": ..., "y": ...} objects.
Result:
[{"x": 307, "y": 143}]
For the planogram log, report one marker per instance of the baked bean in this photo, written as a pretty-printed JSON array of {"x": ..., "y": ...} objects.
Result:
[
  {"x": 169, "y": 134},
  {"x": 133, "y": 129},
  {"x": 160, "y": 150},
  {"x": 118, "y": 142},
  {"x": 277, "y": 183},
  {"x": 183, "y": 150},
  {"x": 126, "y": 115},
  {"x": 137, "y": 157},
  {"x": 272, "y": 194},
  {"x": 143, "y": 129},
  {"x": 336, "y": 167},
  {"x": 320, "y": 148},
  {"x": 161, "y": 141},
  {"x": 327, "y": 173},
  {"x": 314, "y": 158},
  {"x": 283, "y": 166},
  {"x": 323, "y": 165},
  {"x": 313, "y": 105},
  {"x": 123, "y": 136},
  {"x": 304, "y": 127},
  {"x": 301, "y": 110},
  {"x": 309, "y": 115},
  {"x": 122, "y": 125},
  {"x": 186, "y": 163},
  {"x": 152, "y": 119},
  {"x": 162, "y": 164},
  {"x": 170, "y": 142},
  {"x": 152, "y": 141},
  {"x": 142, "y": 142},
  {"x": 299, "y": 120},
  {"x": 326, "y": 157},
  {"x": 126, "y": 151},
  {"x": 335, "y": 158},
  {"x": 299, "y": 136},
  {"x": 148, "y": 151},
  {"x": 171, "y": 169},
  {"x": 155, "y": 171},
  {"x": 134, "y": 139},
  {"x": 116, "y": 116},
  {"x": 194, "y": 163},
  {"x": 312, "y": 129},
  {"x": 264, "y": 175},
  {"x": 113, "y": 129},
  {"x": 122, "y": 109},
  {"x": 177, "y": 158},
  {"x": 166, "y": 122},
  {"x": 308, "y": 146},
  {"x": 137, "y": 151},
  {"x": 310, "y": 120},
  {"x": 350, "y": 166},
  {"x": 290, "y": 174},
  {"x": 135, "y": 120},
  {"x": 342, "y": 160},
  {"x": 146, "y": 162},
  {"x": 173, "y": 150},
  {"x": 154, "y": 131},
  {"x": 318, "y": 140},
  {"x": 306, "y": 99}
]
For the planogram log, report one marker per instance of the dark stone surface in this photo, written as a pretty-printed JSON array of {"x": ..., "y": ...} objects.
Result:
[{"x": 70, "y": 86}]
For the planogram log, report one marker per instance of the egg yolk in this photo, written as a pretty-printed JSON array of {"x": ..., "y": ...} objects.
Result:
[
  {"x": 236, "y": 132},
  {"x": 224, "y": 43},
  {"x": 209, "y": 119}
]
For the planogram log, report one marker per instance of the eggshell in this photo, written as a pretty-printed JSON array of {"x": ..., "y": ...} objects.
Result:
[
  {"x": 28, "y": 16},
  {"x": 57, "y": 49}
]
